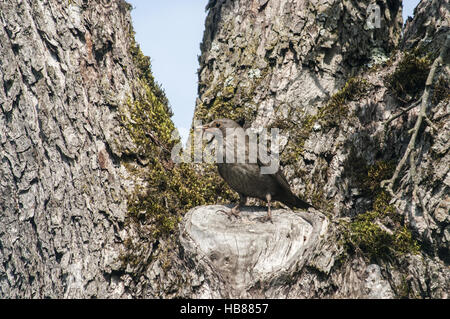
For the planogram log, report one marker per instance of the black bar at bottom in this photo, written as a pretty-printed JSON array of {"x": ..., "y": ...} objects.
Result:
[{"x": 217, "y": 308}]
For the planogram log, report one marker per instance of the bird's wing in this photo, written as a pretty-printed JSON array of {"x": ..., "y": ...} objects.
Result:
[
  {"x": 281, "y": 180},
  {"x": 279, "y": 177},
  {"x": 219, "y": 169}
]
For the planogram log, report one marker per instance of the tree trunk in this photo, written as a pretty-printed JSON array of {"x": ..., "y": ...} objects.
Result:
[
  {"x": 64, "y": 70},
  {"x": 320, "y": 73}
]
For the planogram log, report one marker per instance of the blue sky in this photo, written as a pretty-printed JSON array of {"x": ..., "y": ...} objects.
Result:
[
  {"x": 408, "y": 8},
  {"x": 170, "y": 33}
]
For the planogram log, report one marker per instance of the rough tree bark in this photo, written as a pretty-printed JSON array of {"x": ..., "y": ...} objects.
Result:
[
  {"x": 64, "y": 70},
  {"x": 313, "y": 68}
]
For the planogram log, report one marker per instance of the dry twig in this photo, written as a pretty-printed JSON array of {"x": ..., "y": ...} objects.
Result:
[
  {"x": 410, "y": 150},
  {"x": 401, "y": 113}
]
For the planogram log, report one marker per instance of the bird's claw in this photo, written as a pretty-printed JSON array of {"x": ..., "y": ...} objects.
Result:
[
  {"x": 266, "y": 219},
  {"x": 231, "y": 213}
]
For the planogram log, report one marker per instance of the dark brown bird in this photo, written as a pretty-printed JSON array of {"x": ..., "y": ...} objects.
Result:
[{"x": 246, "y": 178}]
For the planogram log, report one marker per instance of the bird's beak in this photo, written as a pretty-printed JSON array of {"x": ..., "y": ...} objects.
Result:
[
  {"x": 202, "y": 127},
  {"x": 206, "y": 128}
]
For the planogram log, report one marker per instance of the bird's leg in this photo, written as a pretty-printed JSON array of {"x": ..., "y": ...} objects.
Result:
[{"x": 269, "y": 214}]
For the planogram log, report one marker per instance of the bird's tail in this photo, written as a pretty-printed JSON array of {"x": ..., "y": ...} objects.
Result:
[{"x": 294, "y": 202}]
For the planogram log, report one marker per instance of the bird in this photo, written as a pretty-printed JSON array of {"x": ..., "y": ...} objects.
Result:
[{"x": 246, "y": 177}]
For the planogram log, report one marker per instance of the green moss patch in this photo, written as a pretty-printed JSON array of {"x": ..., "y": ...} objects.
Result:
[
  {"x": 408, "y": 79},
  {"x": 228, "y": 99},
  {"x": 380, "y": 232},
  {"x": 224, "y": 107},
  {"x": 337, "y": 107},
  {"x": 367, "y": 233}
]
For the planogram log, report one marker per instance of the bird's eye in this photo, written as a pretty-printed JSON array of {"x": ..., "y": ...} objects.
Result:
[{"x": 217, "y": 124}]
